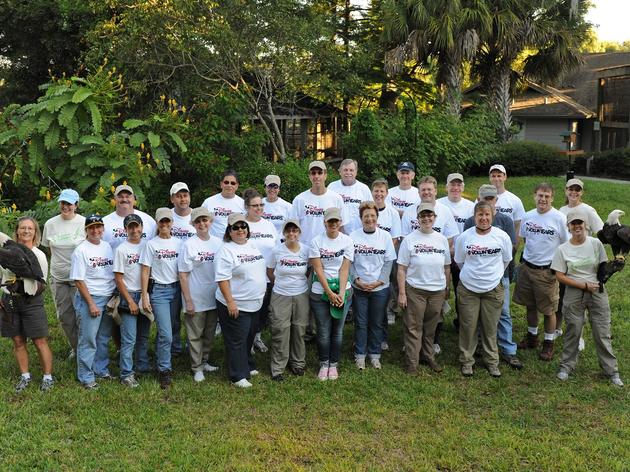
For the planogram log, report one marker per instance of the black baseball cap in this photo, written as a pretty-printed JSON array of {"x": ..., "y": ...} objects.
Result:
[
  {"x": 93, "y": 219},
  {"x": 132, "y": 218},
  {"x": 406, "y": 166}
]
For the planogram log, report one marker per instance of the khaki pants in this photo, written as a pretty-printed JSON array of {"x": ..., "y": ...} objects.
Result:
[
  {"x": 479, "y": 312},
  {"x": 288, "y": 319},
  {"x": 63, "y": 295},
  {"x": 200, "y": 329},
  {"x": 574, "y": 306},
  {"x": 420, "y": 319}
]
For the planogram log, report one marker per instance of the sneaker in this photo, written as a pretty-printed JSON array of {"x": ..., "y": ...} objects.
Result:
[
  {"x": 391, "y": 319},
  {"x": 199, "y": 377},
  {"x": 253, "y": 373},
  {"x": 259, "y": 344},
  {"x": 299, "y": 371},
  {"x": 165, "y": 379},
  {"x": 436, "y": 349},
  {"x": 243, "y": 383},
  {"x": 376, "y": 363},
  {"x": 562, "y": 375},
  {"x": 530, "y": 341},
  {"x": 90, "y": 386},
  {"x": 47, "y": 384},
  {"x": 130, "y": 382},
  {"x": 411, "y": 370},
  {"x": 205, "y": 367},
  {"x": 546, "y": 353},
  {"x": 581, "y": 344},
  {"x": 384, "y": 346},
  {"x": 467, "y": 370},
  {"x": 494, "y": 371},
  {"x": 72, "y": 355},
  {"x": 323, "y": 373},
  {"x": 434, "y": 366},
  {"x": 616, "y": 380},
  {"x": 557, "y": 334},
  {"x": 511, "y": 360},
  {"x": 278, "y": 378},
  {"x": 107, "y": 376},
  {"x": 360, "y": 362},
  {"x": 332, "y": 373},
  {"x": 217, "y": 330},
  {"x": 22, "y": 384}
]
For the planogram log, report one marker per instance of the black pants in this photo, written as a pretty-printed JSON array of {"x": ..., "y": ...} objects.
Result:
[{"x": 238, "y": 337}]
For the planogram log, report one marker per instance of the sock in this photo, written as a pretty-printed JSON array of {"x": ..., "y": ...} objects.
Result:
[
  {"x": 26, "y": 375},
  {"x": 47, "y": 377},
  {"x": 549, "y": 336},
  {"x": 533, "y": 330}
]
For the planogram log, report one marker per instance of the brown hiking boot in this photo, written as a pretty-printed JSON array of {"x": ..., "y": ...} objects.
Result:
[
  {"x": 546, "y": 353},
  {"x": 530, "y": 341}
]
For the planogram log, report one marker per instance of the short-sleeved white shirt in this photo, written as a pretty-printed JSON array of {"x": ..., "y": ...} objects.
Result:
[
  {"x": 93, "y": 264},
  {"x": 197, "y": 259},
  {"x": 182, "y": 227},
  {"x": 371, "y": 252},
  {"x": 127, "y": 262},
  {"x": 115, "y": 232},
  {"x": 425, "y": 256},
  {"x": 389, "y": 220},
  {"x": 352, "y": 195},
  {"x": 400, "y": 200},
  {"x": 444, "y": 221},
  {"x": 580, "y": 261},
  {"x": 461, "y": 210},
  {"x": 595, "y": 223},
  {"x": 543, "y": 233},
  {"x": 221, "y": 208},
  {"x": 289, "y": 270},
  {"x": 309, "y": 208},
  {"x": 161, "y": 255},
  {"x": 244, "y": 266},
  {"x": 62, "y": 236},
  {"x": 331, "y": 253},
  {"x": 484, "y": 257},
  {"x": 510, "y": 205},
  {"x": 264, "y": 236},
  {"x": 276, "y": 212}
]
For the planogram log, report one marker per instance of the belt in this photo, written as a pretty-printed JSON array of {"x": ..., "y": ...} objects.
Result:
[
  {"x": 534, "y": 266},
  {"x": 173, "y": 284}
]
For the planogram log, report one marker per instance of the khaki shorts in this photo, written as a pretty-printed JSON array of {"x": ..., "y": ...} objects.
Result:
[{"x": 536, "y": 288}]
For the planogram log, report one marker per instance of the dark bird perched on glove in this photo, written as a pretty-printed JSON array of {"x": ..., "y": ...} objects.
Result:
[
  {"x": 20, "y": 260},
  {"x": 616, "y": 234}
]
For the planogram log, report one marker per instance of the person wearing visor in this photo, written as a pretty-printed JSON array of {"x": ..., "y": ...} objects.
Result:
[
  {"x": 92, "y": 271},
  {"x": 330, "y": 254},
  {"x": 575, "y": 263},
  {"x": 62, "y": 234},
  {"x": 276, "y": 209},
  {"x": 241, "y": 275},
  {"x": 161, "y": 291},
  {"x": 224, "y": 203}
]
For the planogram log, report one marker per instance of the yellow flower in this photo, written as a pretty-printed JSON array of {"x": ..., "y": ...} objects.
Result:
[
  {"x": 113, "y": 189},
  {"x": 162, "y": 97},
  {"x": 142, "y": 146},
  {"x": 112, "y": 202},
  {"x": 48, "y": 195},
  {"x": 124, "y": 182},
  {"x": 157, "y": 161},
  {"x": 14, "y": 206},
  {"x": 183, "y": 109},
  {"x": 139, "y": 155},
  {"x": 113, "y": 177},
  {"x": 148, "y": 155},
  {"x": 101, "y": 190},
  {"x": 4, "y": 209}
]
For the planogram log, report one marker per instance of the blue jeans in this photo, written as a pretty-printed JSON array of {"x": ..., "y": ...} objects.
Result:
[
  {"x": 329, "y": 330},
  {"x": 504, "y": 328},
  {"x": 128, "y": 334},
  {"x": 238, "y": 338},
  {"x": 176, "y": 323},
  {"x": 165, "y": 300},
  {"x": 370, "y": 314},
  {"x": 94, "y": 334},
  {"x": 142, "y": 344}
]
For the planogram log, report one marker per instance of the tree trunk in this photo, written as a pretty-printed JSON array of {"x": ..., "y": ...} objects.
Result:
[
  {"x": 451, "y": 88},
  {"x": 501, "y": 100}
]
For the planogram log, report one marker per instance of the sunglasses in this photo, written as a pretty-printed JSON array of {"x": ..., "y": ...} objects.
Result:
[
  {"x": 274, "y": 186},
  {"x": 239, "y": 226},
  {"x": 230, "y": 182}
]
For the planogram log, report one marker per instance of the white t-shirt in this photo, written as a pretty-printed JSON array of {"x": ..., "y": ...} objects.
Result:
[
  {"x": 484, "y": 256},
  {"x": 595, "y": 223},
  {"x": 198, "y": 259},
  {"x": 115, "y": 232},
  {"x": 543, "y": 233},
  {"x": 277, "y": 212},
  {"x": 389, "y": 220},
  {"x": 461, "y": 210},
  {"x": 244, "y": 266},
  {"x": 371, "y": 252},
  {"x": 62, "y": 236},
  {"x": 221, "y": 208},
  {"x": 510, "y": 205},
  {"x": 161, "y": 255},
  {"x": 400, "y": 200},
  {"x": 127, "y": 262},
  {"x": 425, "y": 256},
  {"x": 352, "y": 195},
  {"x": 182, "y": 227},
  {"x": 581, "y": 261},
  {"x": 309, "y": 208},
  {"x": 444, "y": 221},
  {"x": 289, "y": 270},
  {"x": 94, "y": 264},
  {"x": 264, "y": 236},
  {"x": 331, "y": 253}
]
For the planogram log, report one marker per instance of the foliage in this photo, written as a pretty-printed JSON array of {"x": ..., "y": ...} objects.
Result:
[{"x": 614, "y": 163}]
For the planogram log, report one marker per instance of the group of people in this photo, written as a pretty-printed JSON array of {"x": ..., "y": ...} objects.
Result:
[{"x": 252, "y": 262}]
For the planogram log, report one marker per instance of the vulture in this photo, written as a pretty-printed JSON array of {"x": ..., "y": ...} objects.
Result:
[
  {"x": 616, "y": 234},
  {"x": 20, "y": 260}
]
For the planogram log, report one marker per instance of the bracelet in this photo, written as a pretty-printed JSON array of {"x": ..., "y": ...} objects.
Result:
[{"x": 586, "y": 286}]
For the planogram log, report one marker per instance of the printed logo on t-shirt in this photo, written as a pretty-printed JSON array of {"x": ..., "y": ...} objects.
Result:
[
  {"x": 422, "y": 248},
  {"x": 220, "y": 211},
  {"x": 181, "y": 233},
  {"x": 132, "y": 258},
  {"x": 349, "y": 199},
  {"x": 98, "y": 261},
  {"x": 328, "y": 254},
  {"x": 480, "y": 250},
  {"x": 165, "y": 254},
  {"x": 505, "y": 210},
  {"x": 121, "y": 233},
  {"x": 399, "y": 202},
  {"x": 259, "y": 235},
  {"x": 367, "y": 250},
  {"x": 269, "y": 216},
  {"x": 459, "y": 219},
  {"x": 385, "y": 228},
  {"x": 248, "y": 258},
  {"x": 313, "y": 210},
  {"x": 205, "y": 256},
  {"x": 534, "y": 228},
  {"x": 292, "y": 263}
]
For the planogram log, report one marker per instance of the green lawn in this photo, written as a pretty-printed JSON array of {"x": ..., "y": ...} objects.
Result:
[{"x": 366, "y": 420}]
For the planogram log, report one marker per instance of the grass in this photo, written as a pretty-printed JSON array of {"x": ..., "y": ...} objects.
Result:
[{"x": 366, "y": 420}]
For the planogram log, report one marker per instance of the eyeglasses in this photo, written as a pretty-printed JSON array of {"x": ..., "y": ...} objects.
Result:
[
  {"x": 239, "y": 226},
  {"x": 316, "y": 172},
  {"x": 426, "y": 215},
  {"x": 230, "y": 182},
  {"x": 257, "y": 205},
  {"x": 273, "y": 186}
]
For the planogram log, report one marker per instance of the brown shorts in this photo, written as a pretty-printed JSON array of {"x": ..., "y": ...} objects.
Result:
[
  {"x": 24, "y": 317},
  {"x": 536, "y": 288}
]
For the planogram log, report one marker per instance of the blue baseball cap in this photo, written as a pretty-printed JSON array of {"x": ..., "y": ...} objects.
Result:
[{"x": 68, "y": 195}]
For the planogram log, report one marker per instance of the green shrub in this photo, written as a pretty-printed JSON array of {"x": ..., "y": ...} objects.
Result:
[
  {"x": 614, "y": 163},
  {"x": 524, "y": 158}
]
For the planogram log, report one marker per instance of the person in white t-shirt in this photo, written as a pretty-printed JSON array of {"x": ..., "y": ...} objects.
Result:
[
  {"x": 125, "y": 201},
  {"x": 225, "y": 203},
  {"x": 241, "y": 275},
  {"x": 92, "y": 271},
  {"x": 352, "y": 192},
  {"x": 483, "y": 252},
  {"x": 308, "y": 207},
  {"x": 424, "y": 260},
  {"x": 163, "y": 295},
  {"x": 507, "y": 203},
  {"x": 180, "y": 198},
  {"x": 63, "y": 233},
  {"x": 544, "y": 229},
  {"x": 330, "y": 254},
  {"x": 374, "y": 254},
  {"x": 276, "y": 208},
  {"x": 576, "y": 264},
  {"x": 128, "y": 282},
  {"x": 196, "y": 276},
  {"x": 289, "y": 306},
  {"x": 404, "y": 195}
]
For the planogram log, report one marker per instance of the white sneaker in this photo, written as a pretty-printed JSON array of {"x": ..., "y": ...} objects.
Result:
[
  {"x": 217, "y": 330},
  {"x": 384, "y": 346},
  {"x": 376, "y": 363},
  {"x": 243, "y": 383},
  {"x": 205, "y": 367},
  {"x": 391, "y": 319},
  {"x": 259, "y": 344},
  {"x": 199, "y": 377},
  {"x": 253, "y": 372},
  {"x": 562, "y": 375},
  {"x": 323, "y": 373},
  {"x": 436, "y": 349},
  {"x": 72, "y": 354},
  {"x": 581, "y": 344},
  {"x": 616, "y": 380},
  {"x": 360, "y": 362},
  {"x": 557, "y": 333}
]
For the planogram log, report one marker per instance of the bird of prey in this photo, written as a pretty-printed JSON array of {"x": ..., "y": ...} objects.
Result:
[
  {"x": 616, "y": 234},
  {"x": 19, "y": 259}
]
